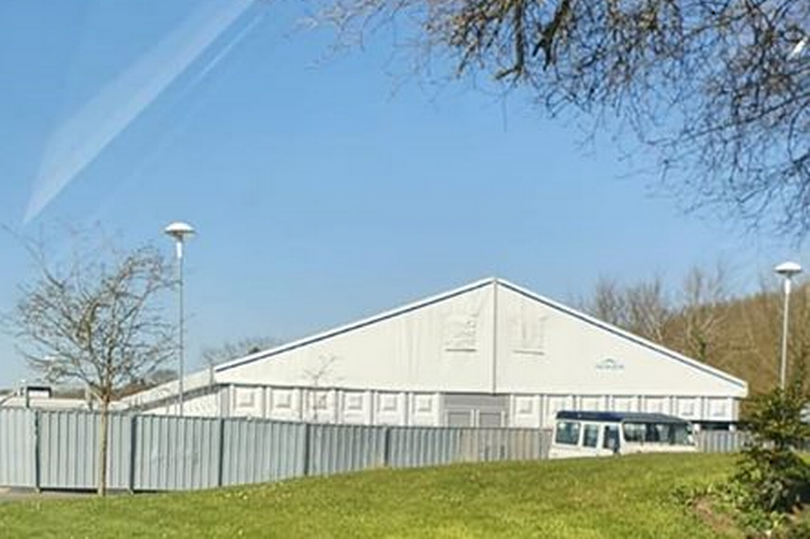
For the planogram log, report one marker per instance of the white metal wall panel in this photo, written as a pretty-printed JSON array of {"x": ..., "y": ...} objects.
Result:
[
  {"x": 553, "y": 404},
  {"x": 425, "y": 410},
  {"x": 720, "y": 409},
  {"x": 624, "y": 403},
  {"x": 356, "y": 407},
  {"x": 688, "y": 407},
  {"x": 656, "y": 405},
  {"x": 17, "y": 447},
  {"x": 525, "y": 411},
  {"x": 284, "y": 404},
  {"x": 202, "y": 406},
  {"x": 247, "y": 401},
  {"x": 557, "y": 351},
  {"x": 591, "y": 403},
  {"x": 321, "y": 405},
  {"x": 445, "y": 345},
  {"x": 390, "y": 408}
]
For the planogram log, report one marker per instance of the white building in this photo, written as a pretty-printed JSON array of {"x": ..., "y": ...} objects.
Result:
[{"x": 487, "y": 354}]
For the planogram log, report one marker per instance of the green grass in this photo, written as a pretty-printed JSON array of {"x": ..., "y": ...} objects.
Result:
[{"x": 583, "y": 499}]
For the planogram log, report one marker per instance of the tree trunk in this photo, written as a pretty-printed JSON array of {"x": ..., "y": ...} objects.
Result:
[{"x": 103, "y": 445}]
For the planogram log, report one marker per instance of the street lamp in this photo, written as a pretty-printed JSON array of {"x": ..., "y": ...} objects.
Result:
[
  {"x": 180, "y": 232},
  {"x": 787, "y": 270}
]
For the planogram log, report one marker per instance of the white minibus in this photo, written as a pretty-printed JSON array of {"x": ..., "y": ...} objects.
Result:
[{"x": 596, "y": 434}]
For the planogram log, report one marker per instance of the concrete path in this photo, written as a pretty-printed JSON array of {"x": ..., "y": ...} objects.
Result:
[{"x": 16, "y": 495}]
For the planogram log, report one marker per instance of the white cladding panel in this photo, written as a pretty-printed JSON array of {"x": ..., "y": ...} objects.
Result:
[
  {"x": 555, "y": 351},
  {"x": 426, "y": 409},
  {"x": 247, "y": 402},
  {"x": 284, "y": 404},
  {"x": 446, "y": 345},
  {"x": 525, "y": 411},
  {"x": 202, "y": 406},
  {"x": 390, "y": 408}
]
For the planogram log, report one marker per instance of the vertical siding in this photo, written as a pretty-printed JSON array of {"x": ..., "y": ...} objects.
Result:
[
  {"x": 17, "y": 448},
  {"x": 176, "y": 453},
  {"x": 721, "y": 441},
  {"x": 69, "y": 444},
  {"x": 261, "y": 451},
  {"x": 345, "y": 448},
  {"x": 412, "y": 447},
  {"x": 488, "y": 445}
]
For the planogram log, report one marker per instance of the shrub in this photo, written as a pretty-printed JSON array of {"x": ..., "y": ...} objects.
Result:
[{"x": 771, "y": 479}]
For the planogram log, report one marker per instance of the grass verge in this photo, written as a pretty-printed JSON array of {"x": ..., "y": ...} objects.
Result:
[{"x": 628, "y": 497}]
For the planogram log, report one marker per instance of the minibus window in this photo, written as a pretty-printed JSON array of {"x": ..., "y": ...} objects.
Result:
[
  {"x": 611, "y": 438},
  {"x": 680, "y": 434},
  {"x": 634, "y": 432},
  {"x": 567, "y": 433},
  {"x": 590, "y": 438},
  {"x": 659, "y": 433}
]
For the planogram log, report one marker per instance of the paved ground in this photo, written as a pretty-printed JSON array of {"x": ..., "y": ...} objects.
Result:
[{"x": 14, "y": 495}]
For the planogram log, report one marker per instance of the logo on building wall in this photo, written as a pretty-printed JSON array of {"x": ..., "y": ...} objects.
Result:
[{"x": 610, "y": 364}]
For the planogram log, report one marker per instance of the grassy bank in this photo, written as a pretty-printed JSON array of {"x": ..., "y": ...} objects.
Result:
[{"x": 597, "y": 498}]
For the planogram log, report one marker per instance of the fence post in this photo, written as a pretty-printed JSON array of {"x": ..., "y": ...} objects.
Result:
[
  {"x": 221, "y": 456},
  {"x": 307, "y": 442},
  {"x": 37, "y": 453},
  {"x": 387, "y": 448},
  {"x": 133, "y": 451}
]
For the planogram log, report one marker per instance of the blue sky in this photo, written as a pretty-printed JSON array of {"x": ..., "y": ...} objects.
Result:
[{"x": 322, "y": 187}]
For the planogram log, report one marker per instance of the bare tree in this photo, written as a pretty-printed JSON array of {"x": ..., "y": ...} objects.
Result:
[
  {"x": 316, "y": 378},
  {"x": 243, "y": 347},
  {"x": 643, "y": 308},
  {"x": 98, "y": 321},
  {"x": 720, "y": 87},
  {"x": 704, "y": 310},
  {"x": 609, "y": 303},
  {"x": 649, "y": 310}
]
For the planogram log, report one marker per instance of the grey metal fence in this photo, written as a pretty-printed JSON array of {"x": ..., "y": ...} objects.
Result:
[
  {"x": 721, "y": 441},
  {"x": 58, "y": 450}
]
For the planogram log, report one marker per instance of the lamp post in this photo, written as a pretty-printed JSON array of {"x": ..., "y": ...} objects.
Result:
[
  {"x": 180, "y": 232},
  {"x": 788, "y": 270}
]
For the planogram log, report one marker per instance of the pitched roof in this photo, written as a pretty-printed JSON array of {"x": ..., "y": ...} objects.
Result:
[{"x": 493, "y": 281}]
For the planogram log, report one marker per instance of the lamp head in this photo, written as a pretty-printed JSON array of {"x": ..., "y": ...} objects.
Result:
[
  {"x": 180, "y": 231},
  {"x": 788, "y": 269}
]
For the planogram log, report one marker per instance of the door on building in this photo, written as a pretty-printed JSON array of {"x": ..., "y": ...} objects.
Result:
[{"x": 474, "y": 410}]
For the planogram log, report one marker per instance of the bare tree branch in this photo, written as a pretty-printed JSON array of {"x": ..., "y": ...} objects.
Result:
[{"x": 716, "y": 86}]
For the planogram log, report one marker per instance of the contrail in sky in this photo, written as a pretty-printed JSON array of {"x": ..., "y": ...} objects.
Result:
[
  {"x": 77, "y": 142},
  {"x": 228, "y": 48}
]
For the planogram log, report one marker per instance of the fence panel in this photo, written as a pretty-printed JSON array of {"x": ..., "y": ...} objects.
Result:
[
  {"x": 17, "y": 448},
  {"x": 488, "y": 445},
  {"x": 261, "y": 451},
  {"x": 345, "y": 448},
  {"x": 413, "y": 447},
  {"x": 176, "y": 453},
  {"x": 721, "y": 441},
  {"x": 69, "y": 450},
  {"x": 58, "y": 450}
]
